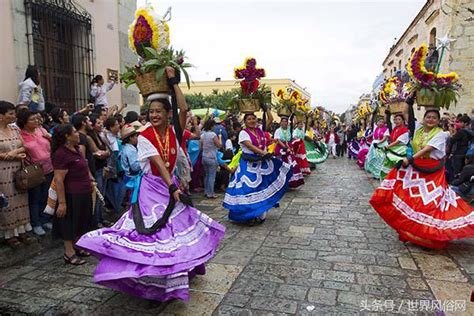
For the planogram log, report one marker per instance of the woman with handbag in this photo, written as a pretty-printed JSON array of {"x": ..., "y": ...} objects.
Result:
[
  {"x": 14, "y": 218},
  {"x": 73, "y": 216},
  {"x": 38, "y": 149}
]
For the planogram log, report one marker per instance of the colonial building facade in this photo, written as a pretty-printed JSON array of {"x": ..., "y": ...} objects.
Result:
[
  {"x": 437, "y": 18},
  {"x": 70, "y": 42}
]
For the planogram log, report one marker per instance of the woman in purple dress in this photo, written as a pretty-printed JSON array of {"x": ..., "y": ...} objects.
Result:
[{"x": 161, "y": 242}]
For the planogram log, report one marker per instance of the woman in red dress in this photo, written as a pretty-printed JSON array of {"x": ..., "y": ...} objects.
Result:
[{"x": 416, "y": 199}]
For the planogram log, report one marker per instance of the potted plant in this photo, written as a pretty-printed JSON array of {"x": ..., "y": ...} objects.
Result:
[
  {"x": 149, "y": 39},
  {"x": 432, "y": 88}
]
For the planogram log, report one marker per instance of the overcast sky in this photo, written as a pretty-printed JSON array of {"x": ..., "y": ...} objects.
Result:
[{"x": 334, "y": 48}]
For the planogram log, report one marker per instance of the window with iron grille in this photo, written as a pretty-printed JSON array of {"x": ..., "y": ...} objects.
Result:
[{"x": 61, "y": 36}]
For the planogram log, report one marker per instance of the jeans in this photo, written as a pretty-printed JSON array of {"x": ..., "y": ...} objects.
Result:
[
  {"x": 210, "y": 170},
  {"x": 101, "y": 186},
  {"x": 116, "y": 193},
  {"x": 37, "y": 199}
]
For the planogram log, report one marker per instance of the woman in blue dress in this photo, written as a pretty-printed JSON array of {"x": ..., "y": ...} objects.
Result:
[{"x": 260, "y": 180}]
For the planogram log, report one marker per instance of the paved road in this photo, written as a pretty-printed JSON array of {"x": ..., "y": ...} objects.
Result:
[{"x": 324, "y": 251}]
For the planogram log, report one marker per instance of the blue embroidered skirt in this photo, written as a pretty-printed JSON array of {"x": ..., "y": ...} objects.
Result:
[{"x": 255, "y": 187}]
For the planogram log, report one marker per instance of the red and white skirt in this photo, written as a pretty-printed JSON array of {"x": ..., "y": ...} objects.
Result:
[
  {"x": 300, "y": 155},
  {"x": 422, "y": 207},
  {"x": 297, "y": 178}
]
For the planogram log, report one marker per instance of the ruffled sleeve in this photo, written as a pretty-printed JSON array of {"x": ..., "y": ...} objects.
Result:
[
  {"x": 404, "y": 138},
  {"x": 438, "y": 142},
  {"x": 145, "y": 151}
]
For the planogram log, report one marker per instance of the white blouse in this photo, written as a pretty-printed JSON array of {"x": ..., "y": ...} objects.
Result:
[
  {"x": 438, "y": 142},
  {"x": 404, "y": 138},
  {"x": 243, "y": 136}
]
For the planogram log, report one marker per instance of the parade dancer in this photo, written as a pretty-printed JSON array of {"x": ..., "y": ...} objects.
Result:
[
  {"x": 300, "y": 150},
  {"x": 285, "y": 152},
  {"x": 416, "y": 199},
  {"x": 161, "y": 242},
  {"x": 316, "y": 150},
  {"x": 260, "y": 180},
  {"x": 397, "y": 149},
  {"x": 376, "y": 154}
]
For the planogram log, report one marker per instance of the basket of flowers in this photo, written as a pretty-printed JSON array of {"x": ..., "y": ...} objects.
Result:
[
  {"x": 251, "y": 95},
  {"x": 395, "y": 92},
  {"x": 286, "y": 104},
  {"x": 432, "y": 88},
  {"x": 149, "y": 39}
]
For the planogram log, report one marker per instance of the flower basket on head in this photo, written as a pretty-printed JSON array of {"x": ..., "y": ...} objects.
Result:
[
  {"x": 147, "y": 83},
  {"x": 425, "y": 99},
  {"x": 149, "y": 39},
  {"x": 432, "y": 88},
  {"x": 249, "y": 105},
  {"x": 284, "y": 110},
  {"x": 398, "y": 107},
  {"x": 395, "y": 92},
  {"x": 252, "y": 95},
  {"x": 300, "y": 116},
  {"x": 381, "y": 110}
]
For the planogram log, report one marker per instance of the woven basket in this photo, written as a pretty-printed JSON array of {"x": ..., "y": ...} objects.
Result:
[
  {"x": 147, "y": 83},
  {"x": 249, "y": 105},
  {"x": 300, "y": 116},
  {"x": 381, "y": 110},
  {"x": 426, "y": 101},
  {"x": 398, "y": 107},
  {"x": 284, "y": 111}
]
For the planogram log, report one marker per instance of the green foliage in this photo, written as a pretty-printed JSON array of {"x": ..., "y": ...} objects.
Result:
[
  {"x": 218, "y": 100},
  {"x": 157, "y": 61}
]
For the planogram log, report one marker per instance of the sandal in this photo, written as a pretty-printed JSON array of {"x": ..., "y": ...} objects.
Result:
[
  {"x": 25, "y": 238},
  {"x": 13, "y": 243},
  {"x": 73, "y": 260},
  {"x": 82, "y": 253}
]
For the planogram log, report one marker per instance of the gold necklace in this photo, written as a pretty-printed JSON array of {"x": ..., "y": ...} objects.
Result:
[{"x": 164, "y": 150}]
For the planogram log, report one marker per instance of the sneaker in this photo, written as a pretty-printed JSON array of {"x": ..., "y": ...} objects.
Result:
[
  {"x": 39, "y": 231},
  {"x": 48, "y": 226}
]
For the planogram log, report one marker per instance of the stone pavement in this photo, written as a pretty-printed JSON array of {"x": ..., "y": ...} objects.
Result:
[{"x": 323, "y": 252}]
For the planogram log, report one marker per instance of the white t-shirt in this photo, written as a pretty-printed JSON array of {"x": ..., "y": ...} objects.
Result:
[
  {"x": 228, "y": 145},
  {"x": 332, "y": 139}
]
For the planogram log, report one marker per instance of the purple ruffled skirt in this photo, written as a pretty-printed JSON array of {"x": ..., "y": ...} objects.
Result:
[{"x": 157, "y": 266}]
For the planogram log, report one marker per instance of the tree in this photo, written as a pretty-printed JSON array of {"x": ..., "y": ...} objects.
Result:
[{"x": 217, "y": 100}]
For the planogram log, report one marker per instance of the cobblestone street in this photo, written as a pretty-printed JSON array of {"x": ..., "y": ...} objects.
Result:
[{"x": 324, "y": 251}]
